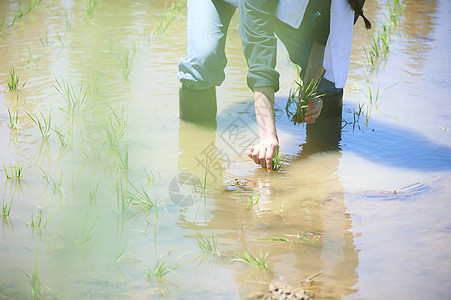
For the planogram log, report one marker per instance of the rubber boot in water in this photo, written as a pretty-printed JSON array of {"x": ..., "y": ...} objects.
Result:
[
  {"x": 197, "y": 105},
  {"x": 332, "y": 105}
]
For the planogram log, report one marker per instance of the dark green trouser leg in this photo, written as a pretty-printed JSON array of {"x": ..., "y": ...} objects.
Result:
[{"x": 197, "y": 105}]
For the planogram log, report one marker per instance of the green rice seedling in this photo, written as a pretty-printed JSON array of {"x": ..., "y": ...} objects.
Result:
[
  {"x": 93, "y": 193},
  {"x": 256, "y": 262},
  {"x": 252, "y": 200},
  {"x": 6, "y": 208},
  {"x": 126, "y": 63},
  {"x": 162, "y": 267},
  {"x": 20, "y": 13},
  {"x": 36, "y": 221},
  {"x": 37, "y": 291},
  {"x": 68, "y": 22},
  {"x": 2, "y": 24},
  {"x": 45, "y": 42},
  {"x": 90, "y": 8},
  {"x": 13, "y": 80},
  {"x": 43, "y": 125},
  {"x": 74, "y": 98},
  {"x": 15, "y": 171},
  {"x": 124, "y": 257},
  {"x": 446, "y": 129},
  {"x": 300, "y": 97},
  {"x": 208, "y": 244},
  {"x": 169, "y": 15},
  {"x": 276, "y": 162},
  {"x": 24, "y": 9},
  {"x": 139, "y": 199},
  {"x": 13, "y": 118},
  {"x": 380, "y": 38}
]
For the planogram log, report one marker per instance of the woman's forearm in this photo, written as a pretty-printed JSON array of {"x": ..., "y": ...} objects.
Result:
[{"x": 264, "y": 112}]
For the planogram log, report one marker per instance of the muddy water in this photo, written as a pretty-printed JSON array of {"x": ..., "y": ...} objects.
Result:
[{"x": 370, "y": 201}]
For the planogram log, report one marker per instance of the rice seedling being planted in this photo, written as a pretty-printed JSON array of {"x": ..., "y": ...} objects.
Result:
[
  {"x": 162, "y": 267},
  {"x": 301, "y": 97},
  {"x": 256, "y": 262},
  {"x": 276, "y": 162},
  {"x": 74, "y": 98},
  {"x": 14, "y": 171},
  {"x": 43, "y": 123},
  {"x": 208, "y": 244}
]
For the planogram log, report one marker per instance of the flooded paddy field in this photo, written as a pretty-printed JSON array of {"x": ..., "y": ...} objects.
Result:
[{"x": 107, "y": 194}]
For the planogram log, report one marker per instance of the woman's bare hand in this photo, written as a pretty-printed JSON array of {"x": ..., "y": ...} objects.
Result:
[
  {"x": 313, "y": 111},
  {"x": 263, "y": 153}
]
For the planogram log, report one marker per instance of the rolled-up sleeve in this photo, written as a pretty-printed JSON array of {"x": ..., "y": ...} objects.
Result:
[{"x": 259, "y": 42}]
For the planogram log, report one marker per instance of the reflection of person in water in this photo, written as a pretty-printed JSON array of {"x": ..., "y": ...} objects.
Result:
[
  {"x": 303, "y": 26},
  {"x": 315, "y": 207}
]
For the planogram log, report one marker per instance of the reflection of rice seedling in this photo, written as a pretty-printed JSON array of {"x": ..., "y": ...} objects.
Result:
[
  {"x": 208, "y": 244},
  {"x": 169, "y": 14},
  {"x": 13, "y": 80},
  {"x": 57, "y": 185},
  {"x": 15, "y": 171},
  {"x": 44, "y": 124},
  {"x": 123, "y": 257},
  {"x": 6, "y": 208},
  {"x": 151, "y": 178},
  {"x": 13, "y": 118},
  {"x": 87, "y": 233},
  {"x": 300, "y": 97},
  {"x": 63, "y": 141},
  {"x": 303, "y": 238},
  {"x": 256, "y": 262},
  {"x": 162, "y": 267},
  {"x": 73, "y": 98}
]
